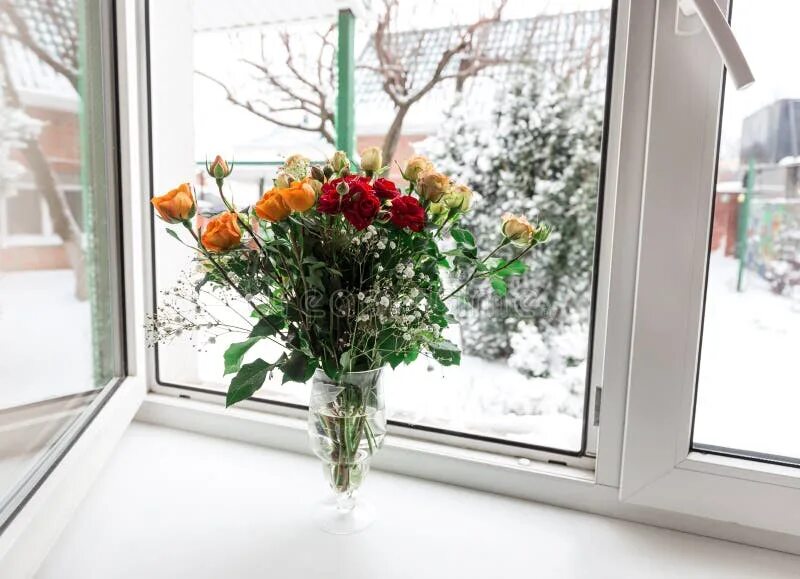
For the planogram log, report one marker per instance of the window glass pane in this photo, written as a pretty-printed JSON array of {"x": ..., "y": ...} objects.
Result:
[
  {"x": 518, "y": 116},
  {"x": 59, "y": 336},
  {"x": 749, "y": 374}
]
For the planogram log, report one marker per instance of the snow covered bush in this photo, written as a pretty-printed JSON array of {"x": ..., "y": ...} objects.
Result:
[
  {"x": 16, "y": 129},
  {"x": 538, "y": 153}
]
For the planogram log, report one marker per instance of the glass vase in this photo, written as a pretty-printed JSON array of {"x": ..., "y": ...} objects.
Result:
[{"x": 346, "y": 426}]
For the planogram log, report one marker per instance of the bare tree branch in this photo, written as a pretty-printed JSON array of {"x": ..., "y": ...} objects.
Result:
[
  {"x": 248, "y": 106},
  {"x": 310, "y": 92}
]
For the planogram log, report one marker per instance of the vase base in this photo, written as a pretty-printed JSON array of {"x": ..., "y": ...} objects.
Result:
[{"x": 331, "y": 519}]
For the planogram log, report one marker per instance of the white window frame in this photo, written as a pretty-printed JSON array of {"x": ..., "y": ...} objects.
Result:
[
  {"x": 659, "y": 469},
  {"x": 56, "y": 488}
]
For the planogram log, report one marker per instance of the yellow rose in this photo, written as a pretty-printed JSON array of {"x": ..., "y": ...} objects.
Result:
[
  {"x": 432, "y": 185},
  {"x": 371, "y": 159},
  {"x": 272, "y": 206},
  {"x": 415, "y": 166},
  {"x": 222, "y": 233},
  {"x": 300, "y": 195},
  {"x": 517, "y": 229},
  {"x": 459, "y": 197},
  {"x": 176, "y": 205}
]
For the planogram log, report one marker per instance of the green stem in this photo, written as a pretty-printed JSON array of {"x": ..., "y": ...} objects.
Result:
[
  {"x": 474, "y": 273},
  {"x": 229, "y": 281}
]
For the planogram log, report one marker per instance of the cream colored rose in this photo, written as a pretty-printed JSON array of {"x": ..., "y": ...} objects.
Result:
[
  {"x": 415, "y": 166},
  {"x": 371, "y": 159},
  {"x": 297, "y": 166},
  {"x": 432, "y": 185},
  {"x": 517, "y": 229},
  {"x": 339, "y": 161}
]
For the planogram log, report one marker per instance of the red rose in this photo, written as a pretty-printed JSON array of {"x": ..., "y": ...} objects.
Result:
[
  {"x": 329, "y": 202},
  {"x": 385, "y": 189},
  {"x": 362, "y": 209},
  {"x": 407, "y": 212}
]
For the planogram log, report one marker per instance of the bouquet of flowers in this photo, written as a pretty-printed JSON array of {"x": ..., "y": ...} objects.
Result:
[{"x": 344, "y": 270}]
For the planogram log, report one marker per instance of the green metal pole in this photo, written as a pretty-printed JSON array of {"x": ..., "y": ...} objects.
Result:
[
  {"x": 742, "y": 225},
  {"x": 345, "y": 102}
]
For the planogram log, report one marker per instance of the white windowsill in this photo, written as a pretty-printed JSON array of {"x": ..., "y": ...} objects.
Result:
[
  {"x": 552, "y": 484},
  {"x": 179, "y": 504}
]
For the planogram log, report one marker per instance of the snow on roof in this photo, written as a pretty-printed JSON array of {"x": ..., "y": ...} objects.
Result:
[
  {"x": 566, "y": 44},
  {"x": 210, "y": 15},
  {"x": 52, "y": 24},
  {"x": 561, "y": 43}
]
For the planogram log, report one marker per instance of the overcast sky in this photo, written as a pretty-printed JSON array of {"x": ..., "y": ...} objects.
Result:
[{"x": 768, "y": 33}]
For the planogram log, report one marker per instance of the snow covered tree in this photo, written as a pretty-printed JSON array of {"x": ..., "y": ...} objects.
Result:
[
  {"x": 16, "y": 129},
  {"x": 538, "y": 154}
]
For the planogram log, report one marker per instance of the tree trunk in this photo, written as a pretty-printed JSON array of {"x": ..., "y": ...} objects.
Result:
[
  {"x": 64, "y": 223},
  {"x": 393, "y": 135}
]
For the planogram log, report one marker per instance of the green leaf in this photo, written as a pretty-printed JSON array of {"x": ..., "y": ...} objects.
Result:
[
  {"x": 234, "y": 354},
  {"x": 344, "y": 360},
  {"x": 173, "y": 233},
  {"x": 411, "y": 355},
  {"x": 446, "y": 353},
  {"x": 249, "y": 379},
  {"x": 499, "y": 286},
  {"x": 268, "y": 326},
  {"x": 514, "y": 268},
  {"x": 298, "y": 368},
  {"x": 462, "y": 236}
]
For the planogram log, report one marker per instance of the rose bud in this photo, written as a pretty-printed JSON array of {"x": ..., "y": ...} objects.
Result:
[
  {"x": 272, "y": 206},
  {"x": 177, "y": 205},
  {"x": 415, "y": 166},
  {"x": 317, "y": 174},
  {"x": 300, "y": 196},
  {"x": 517, "y": 229},
  {"x": 222, "y": 233},
  {"x": 327, "y": 170},
  {"x": 339, "y": 162},
  {"x": 432, "y": 185},
  {"x": 282, "y": 180},
  {"x": 219, "y": 168},
  {"x": 342, "y": 188},
  {"x": 316, "y": 186},
  {"x": 371, "y": 160}
]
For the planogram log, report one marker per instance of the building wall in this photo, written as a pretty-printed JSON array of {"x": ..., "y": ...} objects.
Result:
[
  {"x": 724, "y": 227},
  {"x": 26, "y": 212}
]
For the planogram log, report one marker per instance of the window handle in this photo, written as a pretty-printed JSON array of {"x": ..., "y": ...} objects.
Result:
[{"x": 715, "y": 23}]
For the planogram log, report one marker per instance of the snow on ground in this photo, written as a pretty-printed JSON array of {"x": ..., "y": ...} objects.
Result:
[
  {"x": 749, "y": 383},
  {"x": 479, "y": 397},
  {"x": 45, "y": 337}
]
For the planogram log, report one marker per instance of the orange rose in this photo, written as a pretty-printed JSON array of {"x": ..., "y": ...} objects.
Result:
[
  {"x": 272, "y": 206},
  {"x": 176, "y": 205},
  {"x": 222, "y": 233},
  {"x": 299, "y": 196}
]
